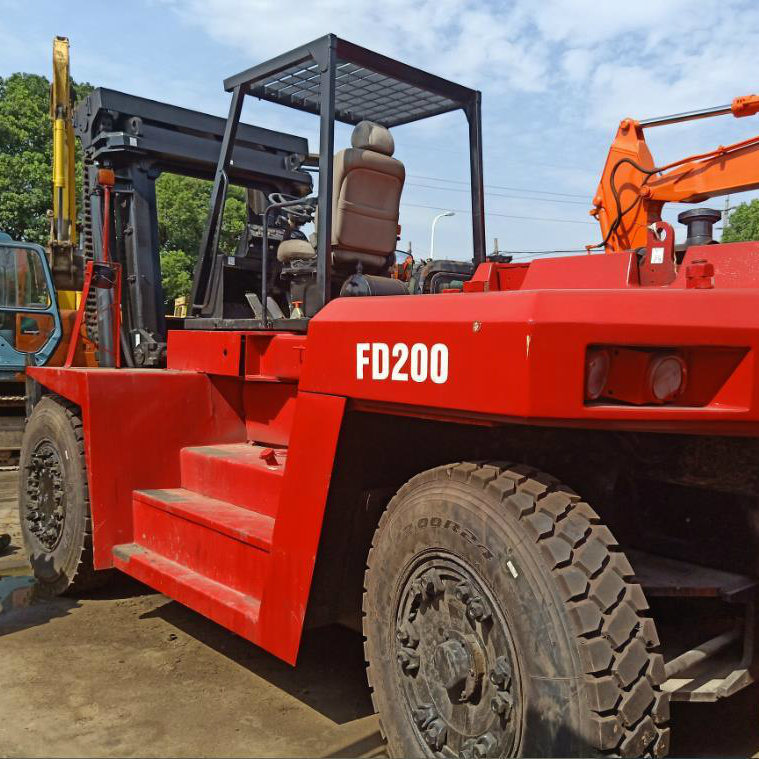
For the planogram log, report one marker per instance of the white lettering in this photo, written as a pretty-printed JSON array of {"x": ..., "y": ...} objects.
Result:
[
  {"x": 439, "y": 363},
  {"x": 362, "y": 359},
  {"x": 419, "y": 362},
  {"x": 423, "y": 363},
  {"x": 380, "y": 361},
  {"x": 400, "y": 352}
]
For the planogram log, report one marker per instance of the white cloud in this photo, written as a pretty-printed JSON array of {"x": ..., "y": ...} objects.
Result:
[
  {"x": 557, "y": 77},
  {"x": 469, "y": 40},
  {"x": 594, "y": 22},
  {"x": 617, "y": 57}
]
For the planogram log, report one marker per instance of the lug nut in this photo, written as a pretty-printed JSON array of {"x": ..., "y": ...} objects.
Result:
[
  {"x": 435, "y": 734},
  {"x": 424, "y": 715},
  {"x": 463, "y": 591},
  {"x": 485, "y": 746},
  {"x": 479, "y": 748},
  {"x": 432, "y": 583},
  {"x": 409, "y": 660},
  {"x": 501, "y": 704},
  {"x": 477, "y": 610},
  {"x": 500, "y": 675},
  {"x": 416, "y": 591},
  {"x": 406, "y": 634}
]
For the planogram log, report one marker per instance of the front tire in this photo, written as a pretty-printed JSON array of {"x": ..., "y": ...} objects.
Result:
[
  {"x": 501, "y": 620},
  {"x": 54, "y": 502}
]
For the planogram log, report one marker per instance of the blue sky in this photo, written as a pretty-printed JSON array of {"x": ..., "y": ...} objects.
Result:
[{"x": 556, "y": 76}]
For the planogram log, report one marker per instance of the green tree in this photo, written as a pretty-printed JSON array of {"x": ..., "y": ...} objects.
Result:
[
  {"x": 183, "y": 204},
  {"x": 26, "y": 155},
  {"x": 176, "y": 272},
  {"x": 743, "y": 223}
]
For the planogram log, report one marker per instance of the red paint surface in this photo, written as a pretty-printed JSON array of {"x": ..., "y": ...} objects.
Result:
[
  {"x": 217, "y": 353},
  {"x": 299, "y": 520},
  {"x": 238, "y": 542},
  {"x": 520, "y": 356},
  {"x": 136, "y": 421},
  {"x": 235, "y": 473}
]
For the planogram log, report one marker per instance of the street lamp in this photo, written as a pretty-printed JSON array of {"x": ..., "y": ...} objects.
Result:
[{"x": 432, "y": 234}]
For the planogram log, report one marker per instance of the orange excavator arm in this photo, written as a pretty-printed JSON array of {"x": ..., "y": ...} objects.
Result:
[{"x": 633, "y": 190}]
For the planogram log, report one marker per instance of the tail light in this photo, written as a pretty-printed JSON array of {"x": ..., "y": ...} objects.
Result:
[
  {"x": 667, "y": 376},
  {"x": 596, "y": 372},
  {"x": 638, "y": 376}
]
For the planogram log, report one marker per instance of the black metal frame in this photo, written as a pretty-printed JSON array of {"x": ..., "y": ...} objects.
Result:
[
  {"x": 140, "y": 138},
  {"x": 353, "y": 84}
]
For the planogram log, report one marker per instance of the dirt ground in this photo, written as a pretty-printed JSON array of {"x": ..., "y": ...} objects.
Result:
[{"x": 127, "y": 672}]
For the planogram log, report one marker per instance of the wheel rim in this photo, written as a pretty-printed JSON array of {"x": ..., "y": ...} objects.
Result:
[
  {"x": 456, "y": 661},
  {"x": 45, "y": 498}
]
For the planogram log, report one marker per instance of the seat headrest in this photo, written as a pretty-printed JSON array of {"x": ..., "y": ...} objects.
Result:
[{"x": 370, "y": 136}]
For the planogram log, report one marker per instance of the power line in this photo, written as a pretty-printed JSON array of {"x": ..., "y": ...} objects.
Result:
[
  {"x": 501, "y": 187},
  {"x": 519, "y": 161},
  {"x": 502, "y": 215},
  {"x": 497, "y": 194}
]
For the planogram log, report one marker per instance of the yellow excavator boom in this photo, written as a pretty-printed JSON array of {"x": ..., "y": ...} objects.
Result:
[
  {"x": 63, "y": 233},
  {"x": 63, "y": 228}
]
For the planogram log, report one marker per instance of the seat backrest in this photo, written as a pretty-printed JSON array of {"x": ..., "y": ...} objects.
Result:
[{"x": 366, "y": 194}]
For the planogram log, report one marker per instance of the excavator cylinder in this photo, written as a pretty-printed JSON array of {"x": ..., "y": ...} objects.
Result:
[
  {"x": 676, "y": 118},
  {"x": 746, "y": 105},
  {"x": 59, "y": 175}
]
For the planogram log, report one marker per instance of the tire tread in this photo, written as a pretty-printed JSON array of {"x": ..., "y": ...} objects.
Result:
[
  {"x": 84, "y": 577},
  {"x": 615, "y": 636}
]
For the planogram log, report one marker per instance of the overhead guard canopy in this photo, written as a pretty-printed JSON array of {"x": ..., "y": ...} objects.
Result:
[
  {"x": 368, "y": 86},
  {"x": 339, "y": 81}
]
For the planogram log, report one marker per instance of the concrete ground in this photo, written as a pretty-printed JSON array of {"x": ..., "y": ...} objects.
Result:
[{"x": 127, "y": 672}]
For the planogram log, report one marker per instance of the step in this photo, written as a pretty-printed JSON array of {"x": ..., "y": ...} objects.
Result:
[
  {"x": 711, "y": 679},
  {"x": 235, "y": 522},
  {"x": 665, "y": 577},
  {"x": 249, "y": 476},
  {"x": 234, "y": 610},
  {"x": 220, "y": 541}
]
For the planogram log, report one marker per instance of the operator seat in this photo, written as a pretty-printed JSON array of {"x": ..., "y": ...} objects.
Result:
[{"x": 366, "y": 195}]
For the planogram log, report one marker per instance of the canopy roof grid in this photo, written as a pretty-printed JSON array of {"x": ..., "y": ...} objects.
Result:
[{"x": 368, "y": 86}]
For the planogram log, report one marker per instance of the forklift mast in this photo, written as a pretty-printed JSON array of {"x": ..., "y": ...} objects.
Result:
[{"x": 139, "y": 139}]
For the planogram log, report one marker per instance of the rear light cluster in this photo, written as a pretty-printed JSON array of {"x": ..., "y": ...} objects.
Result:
[
  {"x": 667, "y": 377},
  {"x": 640, "y": 376}
]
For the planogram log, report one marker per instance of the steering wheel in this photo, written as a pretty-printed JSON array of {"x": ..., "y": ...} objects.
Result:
[
  {"x": 280, "y": 197},
  {"x": 299, "y": 214}
]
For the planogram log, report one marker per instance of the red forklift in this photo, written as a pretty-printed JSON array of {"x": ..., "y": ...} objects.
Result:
[{"x": 533, "y": 487}]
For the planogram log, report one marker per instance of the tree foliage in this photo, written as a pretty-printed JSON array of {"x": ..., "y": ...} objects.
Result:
[
  {"x": 183, "y": 204},
  {"x": 176, "y": 272},
  {"x": 26, "y": 155},
  {"x": 743, "y": 223}
]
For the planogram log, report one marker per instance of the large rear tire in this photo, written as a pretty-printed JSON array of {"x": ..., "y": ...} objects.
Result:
[
  {"x": 500, "y": 619},
  {"x": 54, "y": 501}
]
